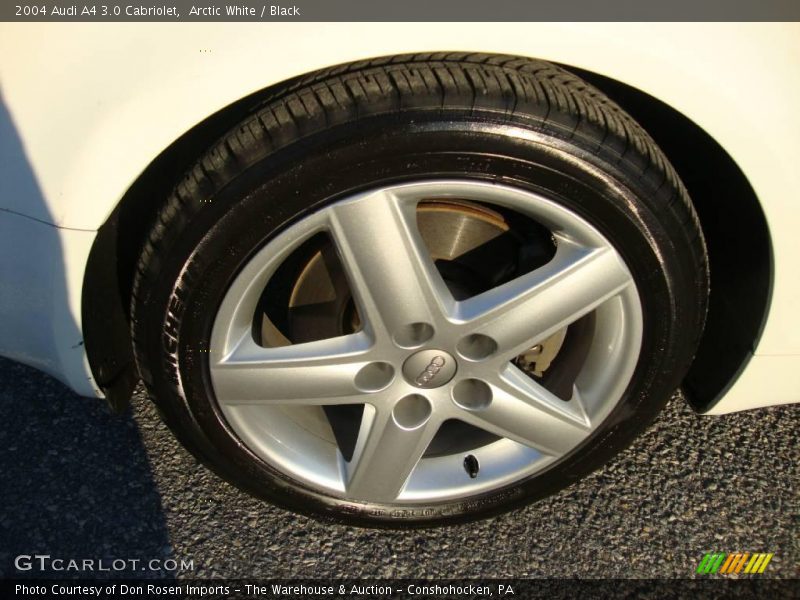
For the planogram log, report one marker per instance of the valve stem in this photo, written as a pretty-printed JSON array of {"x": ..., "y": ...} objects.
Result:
[{"x": 471, "y": 466}]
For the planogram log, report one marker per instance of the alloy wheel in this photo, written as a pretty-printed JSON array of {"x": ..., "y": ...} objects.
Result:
[{"x": 426, "y": 381}]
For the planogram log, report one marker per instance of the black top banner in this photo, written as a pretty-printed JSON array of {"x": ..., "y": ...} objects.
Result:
[{"x": 403, "y": 10}]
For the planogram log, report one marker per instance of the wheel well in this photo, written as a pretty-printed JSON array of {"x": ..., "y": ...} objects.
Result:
[
  {"x": 736, "y": 232},
  {"x": 112, "y": 261},
  {"x": 734, "y": 225}
]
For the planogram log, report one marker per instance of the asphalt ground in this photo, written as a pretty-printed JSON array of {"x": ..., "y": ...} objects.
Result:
[{"x": 77, "y": 481}]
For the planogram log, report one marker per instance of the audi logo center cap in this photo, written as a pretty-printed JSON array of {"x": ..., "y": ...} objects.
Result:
[{"x": 429, "y": 368}]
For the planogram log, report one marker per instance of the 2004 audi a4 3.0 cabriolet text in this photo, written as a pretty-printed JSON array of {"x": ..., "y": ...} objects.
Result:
[{"x": 375, "y": 280}]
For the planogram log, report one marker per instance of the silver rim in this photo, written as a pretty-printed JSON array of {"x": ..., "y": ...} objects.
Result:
[{"x": 422, "y": 358}]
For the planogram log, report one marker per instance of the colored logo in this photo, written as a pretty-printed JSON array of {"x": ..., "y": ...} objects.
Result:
[{"x": 727, "y": 564}]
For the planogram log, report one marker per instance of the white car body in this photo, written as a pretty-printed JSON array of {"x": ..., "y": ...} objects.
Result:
[{"x": 93, "y": 104}]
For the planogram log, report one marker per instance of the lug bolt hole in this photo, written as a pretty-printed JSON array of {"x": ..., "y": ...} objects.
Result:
[
  {"x": 413, "y": 335},
  {"x": 472, "y": 394},
  {"x": 412, "y": 411},
  {"x": 374, "y": 377},
  {"x": 476, "y": 347}
]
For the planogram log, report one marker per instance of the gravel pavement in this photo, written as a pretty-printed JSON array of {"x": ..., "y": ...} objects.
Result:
[{"x": 78, "y": 481}]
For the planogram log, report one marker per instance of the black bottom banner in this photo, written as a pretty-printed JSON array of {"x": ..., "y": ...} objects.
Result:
[{"x": 551, "y": 589}]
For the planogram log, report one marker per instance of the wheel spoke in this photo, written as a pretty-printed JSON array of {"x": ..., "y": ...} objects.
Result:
[
  {"x": 532, "y": 307},
  {"x": 385, "y": 455},
  {"x": 315, "y": 373},
  {"x": 526, "y": 412},
  {"x": 391, "y": 274}
]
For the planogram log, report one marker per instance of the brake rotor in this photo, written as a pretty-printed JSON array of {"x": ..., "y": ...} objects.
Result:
[
  {"x": 455, "y": 232},
  {"x": 320, "y": 304}
]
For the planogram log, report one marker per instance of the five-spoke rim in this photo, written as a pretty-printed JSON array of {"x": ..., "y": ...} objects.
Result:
[{"x": 411, "y": 320}]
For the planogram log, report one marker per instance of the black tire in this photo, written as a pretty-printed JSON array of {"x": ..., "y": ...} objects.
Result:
[{"x": 518, "y": 121}]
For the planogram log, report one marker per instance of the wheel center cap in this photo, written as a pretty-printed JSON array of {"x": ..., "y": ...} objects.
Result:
[{"x": 429, "y": 368}]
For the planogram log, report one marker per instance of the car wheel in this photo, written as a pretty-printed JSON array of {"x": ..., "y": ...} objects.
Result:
[{"x": 420, "y": 290}]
